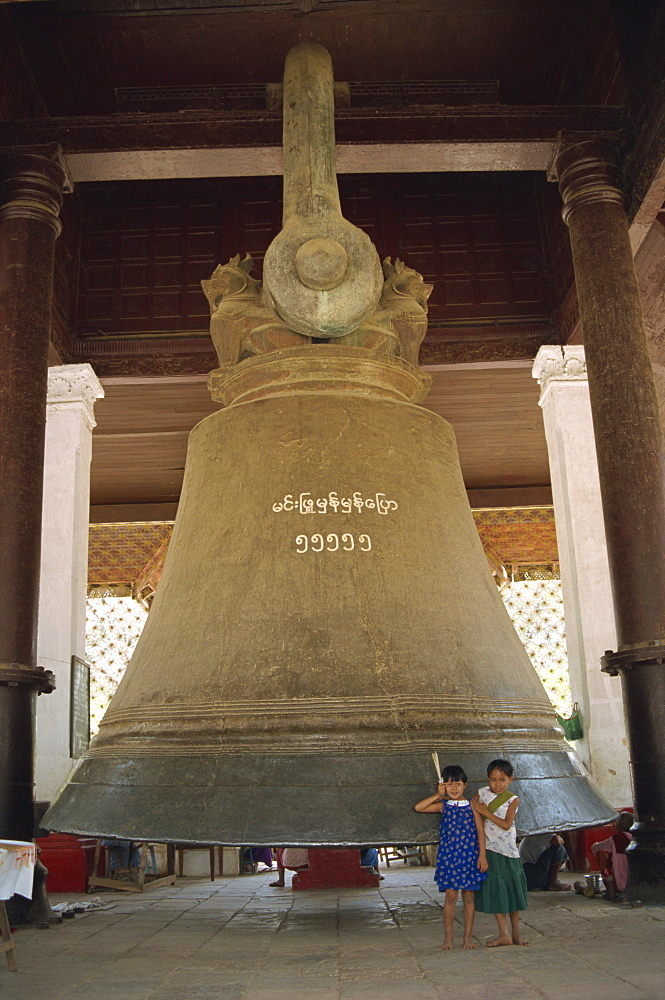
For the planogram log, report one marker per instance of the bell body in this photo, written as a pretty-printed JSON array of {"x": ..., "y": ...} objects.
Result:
[{"x": 325, "y": 620}]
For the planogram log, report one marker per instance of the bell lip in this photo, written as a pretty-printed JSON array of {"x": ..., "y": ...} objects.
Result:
[
  {"x": 397, "y": 723},
  {"x": 319, "y": 368},
  {"x": 367, "y": 800}
]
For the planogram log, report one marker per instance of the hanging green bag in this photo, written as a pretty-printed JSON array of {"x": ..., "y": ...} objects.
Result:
[{"x": 572, "y": 727}]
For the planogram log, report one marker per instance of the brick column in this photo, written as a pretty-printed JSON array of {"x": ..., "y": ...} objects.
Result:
[
  {"x": 30, "y": 201},
  {"x": 631, "y": 466}
]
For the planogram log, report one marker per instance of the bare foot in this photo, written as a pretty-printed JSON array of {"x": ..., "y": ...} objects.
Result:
[
  {"x": 518, "y": 940},
  {"x": 498, "y": 942},
  {"x": 469, "y": 944},
  {"x": 559, "y": 887},
  {"x": 447, "y": 946}
]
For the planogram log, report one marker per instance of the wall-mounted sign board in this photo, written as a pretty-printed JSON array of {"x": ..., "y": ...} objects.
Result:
[{"x": 79, "y": 707}]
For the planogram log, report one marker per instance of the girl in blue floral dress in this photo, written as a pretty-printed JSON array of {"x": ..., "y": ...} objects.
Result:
[{"x": 460, "y": 862}]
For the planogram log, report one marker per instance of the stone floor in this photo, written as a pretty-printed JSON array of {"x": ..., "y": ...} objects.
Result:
[{"x": 238, "y": 939}]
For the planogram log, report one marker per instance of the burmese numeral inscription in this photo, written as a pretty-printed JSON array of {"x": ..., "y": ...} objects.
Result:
[{"x": 332, "y": 543}]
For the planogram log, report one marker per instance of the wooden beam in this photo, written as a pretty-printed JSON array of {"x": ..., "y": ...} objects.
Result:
[
  {"x": 263, "y": 161},
  {"x": 651, "y": 205},
  {"x": 376, "y": 8},
  {"x": 132, "y": 513},
  {"x": 510, "y": 496},
  {"x": 229, "y": 143}
]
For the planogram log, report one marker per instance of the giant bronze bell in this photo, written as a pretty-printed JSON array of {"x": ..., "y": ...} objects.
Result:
[{"x": 326, "y": 618}]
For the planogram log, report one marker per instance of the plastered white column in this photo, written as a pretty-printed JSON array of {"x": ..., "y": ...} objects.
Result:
[
  {"x": 585, "y": 575},
  {"x": 72, "y": 391}
]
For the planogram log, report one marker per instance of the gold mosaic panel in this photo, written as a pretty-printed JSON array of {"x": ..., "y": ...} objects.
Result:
[
  {"x": 519, "y": 534},
  {"x": 119, "y": 553}
]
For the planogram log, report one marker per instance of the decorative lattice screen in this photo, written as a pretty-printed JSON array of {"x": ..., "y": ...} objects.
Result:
[
  {"x": 534, "y": 602},
  {"x": 113, "y": 625},
  {"x": 533, "y": 599}
]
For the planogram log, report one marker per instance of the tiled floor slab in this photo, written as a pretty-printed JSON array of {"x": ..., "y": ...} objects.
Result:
[{"x": 239, "y": 939}]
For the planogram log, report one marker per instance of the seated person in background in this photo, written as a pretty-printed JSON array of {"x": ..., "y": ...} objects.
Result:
[
  {"x": 369, "y": 858},
  {"x": 611, "y": 855},
  {"x": 291, "y": 858},
  {"x": 124, "y": 856},
  {"x": 255, "y": 856},
  {"x": 542, "y": 855}
]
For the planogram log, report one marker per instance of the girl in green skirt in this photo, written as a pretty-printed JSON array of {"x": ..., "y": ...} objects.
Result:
[{"x": 503, "y": 892}]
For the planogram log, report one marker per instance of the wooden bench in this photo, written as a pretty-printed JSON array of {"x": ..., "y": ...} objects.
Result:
[{"x": 142, "y": 882}]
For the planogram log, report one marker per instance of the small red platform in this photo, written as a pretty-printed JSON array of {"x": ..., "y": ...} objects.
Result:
[
  {"x": 69, "y": 861},
  {"x": 334, "y": 868}
]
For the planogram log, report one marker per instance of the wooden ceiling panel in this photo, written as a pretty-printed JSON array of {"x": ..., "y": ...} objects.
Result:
[
  {"x": 79, "y": 57},
  {"x": 140, "y": 442},
  {"x": 146, "y": 247},
  {"x": 152, "y": 405},
  {"x": 141, "y": 469},
  {"x": 497, "y": 422}
]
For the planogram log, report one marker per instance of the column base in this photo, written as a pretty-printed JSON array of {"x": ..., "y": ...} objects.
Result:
[{"x": 646, "y": 859}]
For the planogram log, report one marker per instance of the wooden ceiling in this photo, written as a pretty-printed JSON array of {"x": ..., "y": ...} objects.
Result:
[
  {"x": 79, "y": 52},
  {"x": 77, "y": 66},
  {"x": 140, "y": 441},
  {"x": 477, "y": 237}
]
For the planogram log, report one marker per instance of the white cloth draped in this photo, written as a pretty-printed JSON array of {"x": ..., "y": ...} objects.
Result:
[{"x": 17, "y": 867}]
